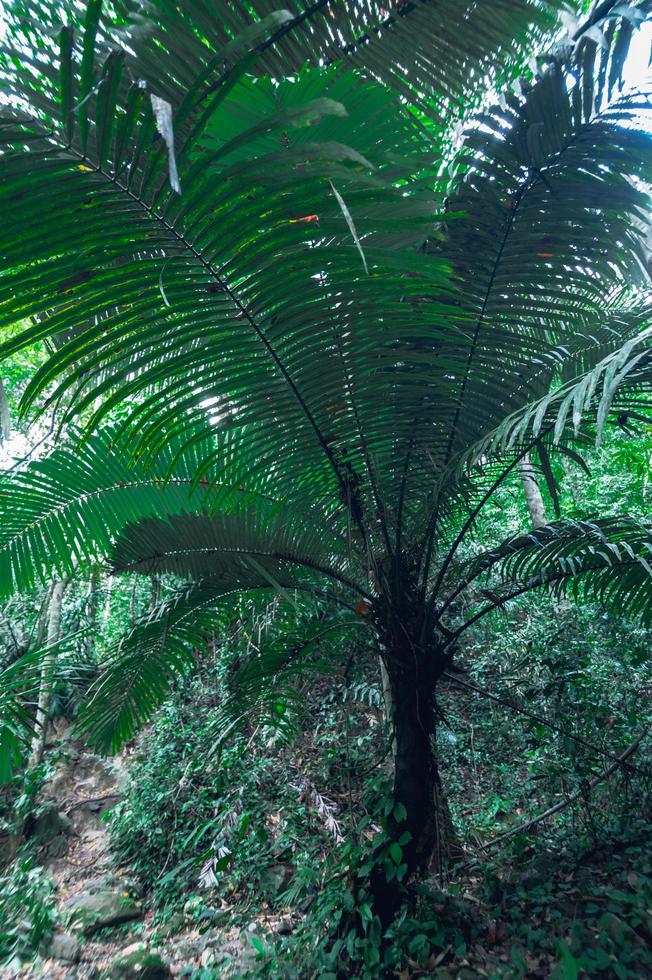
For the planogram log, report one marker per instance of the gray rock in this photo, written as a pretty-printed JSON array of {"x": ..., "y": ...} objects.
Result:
[
  {"x": 193, "y": 906},
  {"x": 103, "y": 883},
  {"x": 57, "y": 847},
  {"x": 188, "y": 949},
  {"x": 64, "y": 947},
  {"x": 276, "y": 879},
  {"x": 285, "y": 926},
  {"x": 49, "y": 824},
  {"x": 175, "y": 924},
  {"x": 139, "y": 964},
  {"x": 209, "y": 957},
  {"x": 90, "y": 911}
]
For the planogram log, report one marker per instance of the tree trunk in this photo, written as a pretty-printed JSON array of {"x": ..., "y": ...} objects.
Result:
[
  {"x": 417, "y": 785},
  {"x": 420, "y": 806},
  {"x": 533, "y": 495},
  {"x": 47, "y": 675},
  {"x": 155, "y": 596},
  {"x": 93, "y": 606},
  {"x": 387, "y": 700},
  {"x": 107, "y": 599},
  {"x": 5, "y": 417}
]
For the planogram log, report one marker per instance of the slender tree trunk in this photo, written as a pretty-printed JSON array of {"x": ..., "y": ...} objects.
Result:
[
  {"x": 93, "y": 607},
  {"x": 5, "y": 416},
  {"x": 533, "y": 495},
  {"x": 570, "y": 478},
  {"x": 107, "y": 599},
  {"x": 155, "y": 596},
  {"x": 47, "y": 675}
]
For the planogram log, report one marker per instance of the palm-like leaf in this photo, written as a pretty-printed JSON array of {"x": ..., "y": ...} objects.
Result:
[
  {"x": 431, "y": 51},
  {"x": 63, "y": 512},
  {"x": 141, "y": 669},
  {"x": 619, "y": 384},
  {"x": 608, "y": 561}
]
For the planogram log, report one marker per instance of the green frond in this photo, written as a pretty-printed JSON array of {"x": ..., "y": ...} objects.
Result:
[
  {"x": 139, "y": 673},
  {"x": 63, "y": 512},
  {"x": 431, "y": 52},
  {"x": 617, "y": 387},
  {"x": 305, "y": 637},
  {"x": 607, "y": 561},
  {"x": 245, "y": 295}
]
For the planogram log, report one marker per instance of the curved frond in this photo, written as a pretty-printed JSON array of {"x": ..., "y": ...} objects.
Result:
[
  {"x": 250, "y": 549},
  {"x": 138, "y": 675},
  {"x": 430, "y": 51},
  {"x": 62, "y": 513},
  {"x": 618, "y": 386},
  {"x": 608, "y": 561}
]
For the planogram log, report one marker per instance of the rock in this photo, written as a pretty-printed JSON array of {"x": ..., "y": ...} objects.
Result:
[
  {"x": 90, "y": 911},
  {"x": 136, "y": 962},
  {"x": 137, "y": 947},
  {"x": 57, "y": 847},
  {"x": 285, "y": 926},
  {"x": 188, "y": 948},
  {"x": 193, "y": 906},
  {"x": 247, "y": 962},
  {"x": 175, "y": 924},
  {"x": 108, "y": 882},
  {"x": 49, "y": 829},
  {"x": 197, "y": 911},
  {"x": 208, "y": 957},
  {"x": 64, "y": 947},
  {"x": 276, "y": 879}
]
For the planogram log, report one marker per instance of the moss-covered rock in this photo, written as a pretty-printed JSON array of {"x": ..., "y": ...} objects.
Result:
[
  {"x": 90, "y": 911},
  {"x": 138, "y": 964}
]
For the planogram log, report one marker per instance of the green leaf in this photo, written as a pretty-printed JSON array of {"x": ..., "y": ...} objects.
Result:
[
  {"x": 91, "y": 24},
  {"x": 365, "y": 912},
  {"x": 66, "y": 36}
]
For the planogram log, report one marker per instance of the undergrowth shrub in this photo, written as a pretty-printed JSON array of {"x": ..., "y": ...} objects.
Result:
[
  {"x": 251, "y": 819},
  {"x": 27, "y": 909}
]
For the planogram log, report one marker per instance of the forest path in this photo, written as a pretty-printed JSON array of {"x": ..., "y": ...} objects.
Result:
[
  {"x": 102, "y": 915},
  {"x": 77, "y": 858}
]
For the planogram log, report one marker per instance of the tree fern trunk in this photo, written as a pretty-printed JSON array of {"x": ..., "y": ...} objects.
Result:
[
  {"x": 47, "y": 675},
  {"x": 420, "y": 807},
  {"x": 533, "y": 495},
  {"x": 5, "y": 417}
]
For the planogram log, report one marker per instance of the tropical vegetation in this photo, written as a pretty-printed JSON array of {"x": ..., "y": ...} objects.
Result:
[{"x": 295, "y": 296}]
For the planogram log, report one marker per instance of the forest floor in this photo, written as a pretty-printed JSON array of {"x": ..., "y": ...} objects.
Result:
[
  {"x": 92, "y": 889},
  {"x": 551, "y": 911}
]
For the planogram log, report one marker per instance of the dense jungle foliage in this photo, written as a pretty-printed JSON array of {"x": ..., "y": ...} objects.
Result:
[{"x": 325, "y": 451}]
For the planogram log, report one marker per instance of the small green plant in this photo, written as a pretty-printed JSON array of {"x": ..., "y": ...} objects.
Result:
[{"x": 27, "y": 910}]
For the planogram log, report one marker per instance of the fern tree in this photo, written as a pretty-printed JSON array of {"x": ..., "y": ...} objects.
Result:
[{"x": 335, "y": 271}]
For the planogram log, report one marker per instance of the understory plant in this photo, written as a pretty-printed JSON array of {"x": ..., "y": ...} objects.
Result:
[{"x": 314, "y": 282}]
